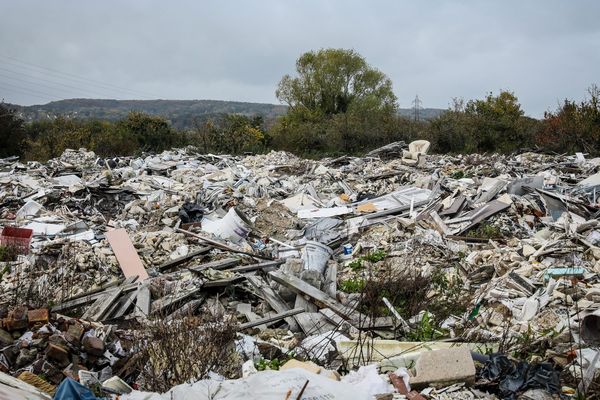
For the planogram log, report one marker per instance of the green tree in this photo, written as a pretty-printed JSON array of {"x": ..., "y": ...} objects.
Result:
[
  {"x": 493, "y": 124},
  {"x": 498, "y": 122},
  {"x": 337, "y": 103},
  {"x": 149, "y": 132},
  {"x": 230, "y": 133},
  {"x": 12, "y": 132},
  {"x": 573, "y": 126},
  {"x": 331, "y": 81}
]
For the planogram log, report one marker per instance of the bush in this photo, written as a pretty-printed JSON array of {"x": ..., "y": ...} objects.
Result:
[{"x": 183, "y": 350}]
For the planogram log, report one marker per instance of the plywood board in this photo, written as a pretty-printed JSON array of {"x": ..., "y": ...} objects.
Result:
[{"x": 128, "y": 258}]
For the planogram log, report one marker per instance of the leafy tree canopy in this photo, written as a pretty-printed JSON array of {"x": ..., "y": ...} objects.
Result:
[{"x": 333, "y": 81}]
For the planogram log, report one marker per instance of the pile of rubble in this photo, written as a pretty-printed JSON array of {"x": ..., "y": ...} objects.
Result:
[{"x": 432, "y": 276}]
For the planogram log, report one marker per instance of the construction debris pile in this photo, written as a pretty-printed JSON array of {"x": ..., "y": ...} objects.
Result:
[{"x": 270, "y": 276}]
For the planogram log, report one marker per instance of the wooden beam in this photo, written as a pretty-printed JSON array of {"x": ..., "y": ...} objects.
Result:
[
  {"x": 274, "y": 318},
  {"x": 142, "y": 301},
  {"x": 254, "y": 267},
  {"x": 173, "y": 263},
  {"x": 218, "y": 264},
  {"x": 275, "y": 302},
  {"x": 222, "y": 246},
  {"x": 97, "y": 311},
  {"x": 317, "y": 296},
  {"x": 222, "y": 282}
]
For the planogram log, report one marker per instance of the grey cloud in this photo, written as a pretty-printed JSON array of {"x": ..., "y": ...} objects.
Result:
[{"x": 544, "y": 51}]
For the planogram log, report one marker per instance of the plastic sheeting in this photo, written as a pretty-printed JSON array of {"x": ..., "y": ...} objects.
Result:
[
  {"x": 266, "y": 385},
  {"x": 70, "y": 389}
]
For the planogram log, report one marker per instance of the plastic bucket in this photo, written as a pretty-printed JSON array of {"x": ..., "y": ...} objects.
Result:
[
  {"x": 590, "y": 329},
  {"x": 315, "y": 256},
  {"x": 234, "y": 226}
]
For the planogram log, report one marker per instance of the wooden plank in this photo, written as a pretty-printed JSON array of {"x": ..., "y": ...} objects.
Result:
[
  {"x": 128, "y": 258},
  {"x": 218, "y": 264},
  {"x": 79, "y": 301},
  {"x": 97, "y": 290},
  {"x": 318, "y": 297},
  {"x": 314, "y": 323},
  {"x": 274, "y": 318},
  {"x": 173, "y": 263},
  {"x": 167, "y": 301},
  {"x": 124, "y": 305},
  {"x": 456, "y": 206},
  {"x": 76, "y": 302},
  {"x": 441, "y": 226},
  {"x": 304, "y": 320},
  {"x": 223, "y": 282},
  {"x": 187, "y": 309},
  {"x": 338, "y": 321},
  {"x": 142, "y": 302},
  {"x": 254, "y": 267},
  {"x": 331, "y": 279},
  {"x": 222, "y": 246},
  {"x": 97, "y": 311},
  {"x": 275, "y": 302},
  {"x": 246, "y": 310}
]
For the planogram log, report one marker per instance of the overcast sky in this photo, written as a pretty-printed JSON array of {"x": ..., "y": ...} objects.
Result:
[{"x": 543, "y": 50}]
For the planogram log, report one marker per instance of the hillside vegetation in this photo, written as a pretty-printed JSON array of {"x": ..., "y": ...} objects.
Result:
[{"x": 335, "y": 104}]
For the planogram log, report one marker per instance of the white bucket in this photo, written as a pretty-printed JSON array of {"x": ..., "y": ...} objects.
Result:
[
  {"x": 286, "y": 252},
  {"x": 315, "y": 256},
  {"x": 234, "y": 226}
]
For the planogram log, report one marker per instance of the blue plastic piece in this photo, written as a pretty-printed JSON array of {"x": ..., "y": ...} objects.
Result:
[
  {"x": 556, "y": 272},
  {"x": 70, "y": 389}
]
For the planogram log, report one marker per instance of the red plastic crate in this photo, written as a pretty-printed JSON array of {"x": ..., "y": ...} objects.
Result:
[{"x": 17, "y": 237}]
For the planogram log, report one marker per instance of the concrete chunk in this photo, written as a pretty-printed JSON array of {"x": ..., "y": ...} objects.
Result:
[{"x": 444, "y": 367}]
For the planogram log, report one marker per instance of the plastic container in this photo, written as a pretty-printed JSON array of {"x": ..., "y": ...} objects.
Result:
[
  {"x": 234, "y": 226},
  {"x": 347, "y": 249},
  {"x": 20, "y": 238},
  {"x": 315, "y": 256}
]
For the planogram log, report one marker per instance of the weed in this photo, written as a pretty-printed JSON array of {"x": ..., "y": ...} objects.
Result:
[
  {"x": 458, "y": 174},
  {"x": 485, "y": 231},
  {"x": 263, "y": 364},
  {"x": 375, "y": 256},
  {"x": 356, "y": 265},
  {"x": 355, "y": 285},
  {"x": 372, "y": 257},
  {"x": 8, "y": 253},
  {"x": 427, "y": 330}
]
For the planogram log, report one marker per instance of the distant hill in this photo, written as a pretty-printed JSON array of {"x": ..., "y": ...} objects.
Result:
[
  {"x": 424, "y": 113},
  {"x": 181, "y": 113}
]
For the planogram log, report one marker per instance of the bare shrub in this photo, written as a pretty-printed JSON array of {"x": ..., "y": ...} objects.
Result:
[{"x": 172, "y": 352}]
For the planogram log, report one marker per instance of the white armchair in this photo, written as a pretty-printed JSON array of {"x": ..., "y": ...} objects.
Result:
[{"x": 416, "y": 152}]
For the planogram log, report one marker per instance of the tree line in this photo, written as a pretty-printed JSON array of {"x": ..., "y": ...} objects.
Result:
[{"x": 337, "y": 104}]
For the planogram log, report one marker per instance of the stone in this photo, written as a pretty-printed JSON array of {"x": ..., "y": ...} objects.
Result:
[
  {"x": 306, "y": 365},
  {"x": 76, "y": 331},
  {"x": 93, "y": 345},
  {"x": 6, "y": 338},
  {"x": 38, "y": 316},
  {"x": 444, "y": 367},
  {"x": 16, "y": 319},
  {"x": 26, "y": 357},
  {"x": 528, "y": 250},
  {"x": 57, "y": 353},
  {"x": 10, "y": 354}
]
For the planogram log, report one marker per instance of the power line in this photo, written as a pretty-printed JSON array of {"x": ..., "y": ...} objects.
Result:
[
  {"x": 66, "y": 75},
  {"x": 54, "y": 87},
  {"x": 27, "y": 91}
]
